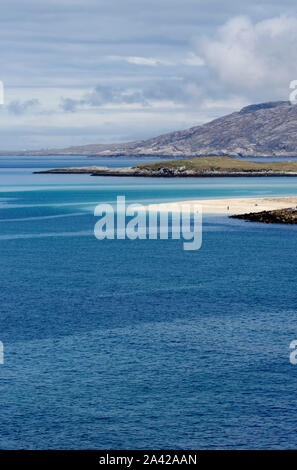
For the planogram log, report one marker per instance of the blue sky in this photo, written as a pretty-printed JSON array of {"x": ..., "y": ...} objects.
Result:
[{"x": 96, "y": 71}]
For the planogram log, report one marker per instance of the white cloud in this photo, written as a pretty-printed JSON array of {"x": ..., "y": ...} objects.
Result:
[
  {"x": 149, "y": 61},
  {"x": 191, "y": 60},
  {"x": 252, "y": 55}
]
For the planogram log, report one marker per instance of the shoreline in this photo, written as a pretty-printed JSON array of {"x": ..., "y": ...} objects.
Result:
[{"x": 230, "y": 206}]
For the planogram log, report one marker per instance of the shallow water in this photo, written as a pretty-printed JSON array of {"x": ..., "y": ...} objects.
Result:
[{"x": 139, "y": 344}]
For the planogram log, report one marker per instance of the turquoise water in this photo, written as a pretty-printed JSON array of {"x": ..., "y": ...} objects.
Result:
[{"x": 139, "y": 344}]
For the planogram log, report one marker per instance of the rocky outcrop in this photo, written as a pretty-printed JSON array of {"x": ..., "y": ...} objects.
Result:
[{"x": 279, "y": 216}]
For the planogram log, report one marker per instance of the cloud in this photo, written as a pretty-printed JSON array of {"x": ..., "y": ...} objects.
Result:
[
  {"x": 69, "y": 104},
  {"x": 147, "y": 61},
  {"x": 103, "y": 95},
  {"x": 191, "y": 60},
  {"x": 179, "y": 91},
  {"x": 20, "y": 107},
  {"x": 253, "y": 55}
]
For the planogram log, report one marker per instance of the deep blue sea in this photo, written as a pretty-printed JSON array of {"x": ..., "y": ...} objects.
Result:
[{"x": 121, "y": 344}]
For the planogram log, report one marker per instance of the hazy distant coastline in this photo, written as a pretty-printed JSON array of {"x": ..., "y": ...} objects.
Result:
[{"x": 259, "y": 130}]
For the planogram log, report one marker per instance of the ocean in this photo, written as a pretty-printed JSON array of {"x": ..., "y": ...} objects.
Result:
[{"x": 121, "y": 344}]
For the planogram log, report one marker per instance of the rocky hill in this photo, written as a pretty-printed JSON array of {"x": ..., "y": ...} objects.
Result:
[{"x": 267, "y": 129}]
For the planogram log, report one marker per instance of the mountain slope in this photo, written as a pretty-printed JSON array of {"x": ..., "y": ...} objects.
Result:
[{"x": 267, "y": 129}]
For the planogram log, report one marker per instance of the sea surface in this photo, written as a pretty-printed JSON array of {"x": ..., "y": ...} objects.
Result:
[{"x": 121, "y": 344}]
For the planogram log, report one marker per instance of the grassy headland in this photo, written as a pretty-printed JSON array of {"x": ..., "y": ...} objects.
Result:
[{"x": 219, "y": 164}]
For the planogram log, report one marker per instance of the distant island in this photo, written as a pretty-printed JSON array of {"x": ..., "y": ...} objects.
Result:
[
  {"x": 258, "y": 130},
  {"x": 195, "y": 167}
]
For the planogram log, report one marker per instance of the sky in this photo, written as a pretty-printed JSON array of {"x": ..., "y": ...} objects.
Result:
[{"x": 81, "y": 72}]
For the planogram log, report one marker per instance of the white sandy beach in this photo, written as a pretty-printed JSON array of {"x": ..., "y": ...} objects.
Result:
[{"x": 231, "y": 206}]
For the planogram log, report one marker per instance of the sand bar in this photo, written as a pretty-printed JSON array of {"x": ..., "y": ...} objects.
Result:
[{"x": 231, "y": 206}]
